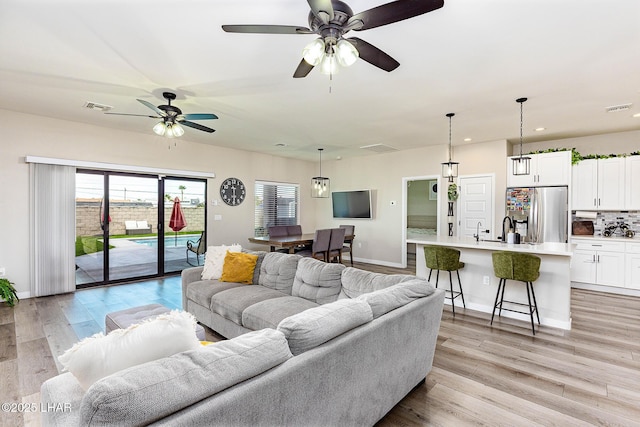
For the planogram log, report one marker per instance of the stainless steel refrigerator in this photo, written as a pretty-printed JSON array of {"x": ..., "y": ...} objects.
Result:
[{"x": 539, "y": 214}]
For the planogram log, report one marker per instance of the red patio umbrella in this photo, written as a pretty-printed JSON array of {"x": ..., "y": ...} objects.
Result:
[{"x": 177, "y": 221}]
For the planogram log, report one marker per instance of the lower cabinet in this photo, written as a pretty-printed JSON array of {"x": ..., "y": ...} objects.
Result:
[
  {"x": 632, "y": 278},
  {"x": 599, "y": 262}
]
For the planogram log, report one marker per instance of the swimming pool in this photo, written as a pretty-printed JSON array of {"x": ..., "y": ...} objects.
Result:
[{"x": 168, "y": 241}]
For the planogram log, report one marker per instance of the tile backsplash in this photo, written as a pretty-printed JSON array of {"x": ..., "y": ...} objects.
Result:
[{"x": 631, "y": 218}]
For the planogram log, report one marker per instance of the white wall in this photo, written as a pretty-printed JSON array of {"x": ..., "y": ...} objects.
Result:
[{"x": 24, "y": 134}]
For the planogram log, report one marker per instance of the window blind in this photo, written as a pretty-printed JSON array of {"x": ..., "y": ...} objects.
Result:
[{"x": 276, "y": 204}]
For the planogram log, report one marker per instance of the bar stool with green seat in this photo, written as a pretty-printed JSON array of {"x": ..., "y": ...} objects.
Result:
[
  {"x": 446, "y": 259},
  {"x": 520, "y": 267}
]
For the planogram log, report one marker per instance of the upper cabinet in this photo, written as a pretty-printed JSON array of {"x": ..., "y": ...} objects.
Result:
[
  {"x": 546, "y": 169},
  {"x": 632, "y": 170},
  {"x": 599, "y": 184}
]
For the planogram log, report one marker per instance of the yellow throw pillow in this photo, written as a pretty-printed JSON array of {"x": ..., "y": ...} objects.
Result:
[{"x": 238, "y": 267}]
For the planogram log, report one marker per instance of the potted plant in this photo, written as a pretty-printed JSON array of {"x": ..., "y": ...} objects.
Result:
[{"x": 8, "y": 292}]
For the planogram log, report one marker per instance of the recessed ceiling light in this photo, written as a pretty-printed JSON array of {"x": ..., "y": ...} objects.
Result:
[
  {"x": 467, "y": 139},
  {"x": 540, "y": 129},
  {"x": 636, "y": 115}
]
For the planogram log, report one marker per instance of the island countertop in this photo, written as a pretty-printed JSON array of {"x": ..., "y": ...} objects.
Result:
[
  {"x": 552, "y": 288},
  {"x": 548, "y": 248}
]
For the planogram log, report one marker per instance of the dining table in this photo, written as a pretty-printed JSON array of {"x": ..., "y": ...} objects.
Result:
[{"x": 289, "y": 242}]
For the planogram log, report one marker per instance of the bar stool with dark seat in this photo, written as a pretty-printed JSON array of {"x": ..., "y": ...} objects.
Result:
[
  {"x": 446, "y": 259},
  {"x": 520, "y": 267}
]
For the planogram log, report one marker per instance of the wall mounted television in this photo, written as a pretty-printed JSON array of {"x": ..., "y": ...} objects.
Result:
[{"x": 352, "y": 204}]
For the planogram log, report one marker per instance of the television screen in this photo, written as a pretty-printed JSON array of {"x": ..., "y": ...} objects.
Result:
[{"x": 351, "y": 204}]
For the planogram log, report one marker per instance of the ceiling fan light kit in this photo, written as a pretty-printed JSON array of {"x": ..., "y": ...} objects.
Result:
[
  {"x": 331, "y": 20},
  {"x": 521, "y": 164},
  {"x": 172, "y": 118}
]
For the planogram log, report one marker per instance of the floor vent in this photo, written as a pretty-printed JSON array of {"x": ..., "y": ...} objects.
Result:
[
  {"x": 379, "y": 148},
  {"x": 95, "y": 106}
]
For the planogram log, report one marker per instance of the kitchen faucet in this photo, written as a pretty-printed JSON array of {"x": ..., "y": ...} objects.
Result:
[
  {"x": 504, "y": 235},
  {"x": 477, "y": 235}
]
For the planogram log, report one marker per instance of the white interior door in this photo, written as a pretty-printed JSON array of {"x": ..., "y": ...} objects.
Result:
[{"x": 475, "y": 205}]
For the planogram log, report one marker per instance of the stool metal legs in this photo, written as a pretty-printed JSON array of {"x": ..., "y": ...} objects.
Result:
[
  {"x": 533, "y": 308},
  {"x": 454, "y": 294}
]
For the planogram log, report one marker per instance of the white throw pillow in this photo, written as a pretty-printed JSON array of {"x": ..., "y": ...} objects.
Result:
[
  {"x": 101, "y": 355},
  {"x": 214, "y": 260}
]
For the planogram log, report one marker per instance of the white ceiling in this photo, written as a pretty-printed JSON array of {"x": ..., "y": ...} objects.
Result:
[{"x": 571, "y": 58}]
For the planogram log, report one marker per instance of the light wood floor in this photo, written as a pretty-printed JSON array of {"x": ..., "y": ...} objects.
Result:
[{"x": 482, "y": 375}]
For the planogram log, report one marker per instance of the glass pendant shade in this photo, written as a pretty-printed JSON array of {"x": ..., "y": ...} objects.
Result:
[
  {"x": 346, "y": 53},
  {"x": 450, "y": 170},
  {"x": 320, "y": 185},
  {"x": 522, "y": 165},
  {"x": 177, "y": 130},
  {"x": 329, "y": 64},
  {"x": 160, "y": 128},
  {"x": 314, "y": 52}
]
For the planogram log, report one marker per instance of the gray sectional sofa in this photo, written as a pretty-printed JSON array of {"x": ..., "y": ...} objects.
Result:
[{"x": 310, "y": 344}]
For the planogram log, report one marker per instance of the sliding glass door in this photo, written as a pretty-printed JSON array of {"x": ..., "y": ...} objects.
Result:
[{"x": 136, "y": 226}]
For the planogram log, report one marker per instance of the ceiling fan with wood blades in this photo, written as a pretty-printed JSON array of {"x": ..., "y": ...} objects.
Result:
[
  {"x": 331, "y": 20},
  {"x": 172, "y": 117}
]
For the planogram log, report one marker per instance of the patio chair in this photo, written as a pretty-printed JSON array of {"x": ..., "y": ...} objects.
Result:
[{"x": 198, "y": 247}]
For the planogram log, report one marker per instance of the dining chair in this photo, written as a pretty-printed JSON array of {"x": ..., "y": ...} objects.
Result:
[
  {"x": 294, "y": 230},
  {"x": 277, "y": 231},
  {"x": 350, "y": 231},
  {"x": 336, "y": 244},
  {"x": 320, "y": 245}
]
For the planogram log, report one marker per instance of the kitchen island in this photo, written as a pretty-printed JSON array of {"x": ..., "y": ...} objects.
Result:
[{"x": 479, "y": 284}]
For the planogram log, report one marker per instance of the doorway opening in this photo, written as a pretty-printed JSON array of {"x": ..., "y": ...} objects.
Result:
[
  {"x": 123, "y": 225},
  {"x": 421, "y": 211}
]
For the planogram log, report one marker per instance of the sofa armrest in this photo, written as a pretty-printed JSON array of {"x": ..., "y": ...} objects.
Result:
[{"x": 189, "y": 275}]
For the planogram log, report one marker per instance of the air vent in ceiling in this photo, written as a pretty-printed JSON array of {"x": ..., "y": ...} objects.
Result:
[
  {"x": 616, "y": 108},
  {"x": 95, "y": 106},
  {"x": 379, "y": 148}
]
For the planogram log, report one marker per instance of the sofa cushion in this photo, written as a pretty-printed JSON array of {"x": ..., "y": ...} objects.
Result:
[
  {"x": 269, "y": 313},
  {"x": 150, "y": 392},
  {"x": 356, "y": 282},
  {"x": 101, "y": 355},
  {"x": 317, "y": 281},
  {"x": 278, "y": 270},
  {"x": 256, "y": 270},
  {"x": 202, "y": 290},
  {"x": 310, "y": 328},
  {"x": 214, "y": 260},
  {"x": 238, "y": 267},
  {"x": 387, "y": 299},
  {"x": 231, "y": 303}
]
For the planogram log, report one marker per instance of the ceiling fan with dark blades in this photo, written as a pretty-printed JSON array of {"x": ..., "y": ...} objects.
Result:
[
  {"x": 331, "y": 20},
  {"x": 172, "y": 117}
]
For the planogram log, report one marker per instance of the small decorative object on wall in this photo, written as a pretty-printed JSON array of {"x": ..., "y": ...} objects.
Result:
[
  {"x": 433, "y": 190},
  {"x": 8, "y": 292},
  {"x": 452, "y": 195},
  {"x": 233, "y": 191}
]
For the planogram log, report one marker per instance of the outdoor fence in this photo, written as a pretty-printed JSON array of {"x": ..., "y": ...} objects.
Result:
[{"x": 88, "y": 219}]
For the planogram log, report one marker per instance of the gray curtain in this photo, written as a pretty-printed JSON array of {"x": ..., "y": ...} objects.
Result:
[{"x": 53, "y": 224}]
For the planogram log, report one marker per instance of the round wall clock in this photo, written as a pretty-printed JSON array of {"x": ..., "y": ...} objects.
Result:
[{"x": 232, "y": 191}]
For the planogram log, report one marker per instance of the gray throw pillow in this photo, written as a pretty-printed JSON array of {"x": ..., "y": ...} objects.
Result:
[
  {"x": 310, "y": 328},
  {"x": 385, "y": 300}
]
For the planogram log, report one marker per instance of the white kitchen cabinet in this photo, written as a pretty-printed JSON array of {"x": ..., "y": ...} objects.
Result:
[
  {"x": 632, "y": 171},
  {"x": 599, "y": 262},
  {"x": 632, "y": 261},
  {"x": 598, "y": 184},
  {"x": 546, "y": 169}
]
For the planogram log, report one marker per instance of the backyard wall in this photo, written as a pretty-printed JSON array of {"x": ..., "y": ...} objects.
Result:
[{"x": 88, "y": 218}]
